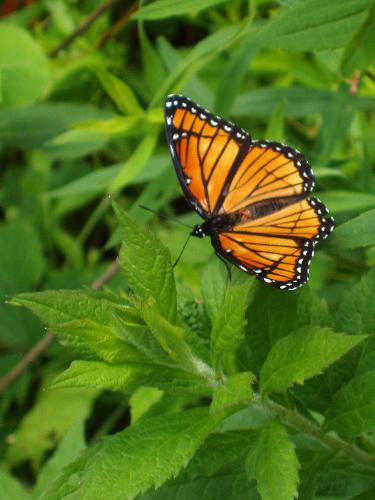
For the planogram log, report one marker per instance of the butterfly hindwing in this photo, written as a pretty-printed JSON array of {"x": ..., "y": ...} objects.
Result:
[{"x": 277, "y": 247}]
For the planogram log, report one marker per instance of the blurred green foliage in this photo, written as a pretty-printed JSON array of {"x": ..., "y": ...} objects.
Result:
[{"x": 81, "y": 126}]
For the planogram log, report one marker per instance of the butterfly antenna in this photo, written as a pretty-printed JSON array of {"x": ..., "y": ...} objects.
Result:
[
  {"x": 167, "y": 217},
  {"x": 182, "y": 251}
]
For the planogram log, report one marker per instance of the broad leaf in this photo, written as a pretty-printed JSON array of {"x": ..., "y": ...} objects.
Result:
[
  {"x": 141, "y": 457},
  {"x": 121, "y": 377},
  {"x": 303, "y": 354},
  {"x": 273, "y": 462},
  {"x": 313, "y": 25},
  {"x": 213, "y": 284},
  {"x": 147, "y": 266},
  {"x": 356, "y": 233},
  {"x": 353, "y": 408},
  {"x": 161, "y": 9},
  {"x": 11, "y": 489},
  {"x": 23, "y": 66},
  {"x": 228, "y": 328}
]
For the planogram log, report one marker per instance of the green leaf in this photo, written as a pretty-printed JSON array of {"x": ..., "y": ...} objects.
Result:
[
  {"x": 53, "y": 414},
  {"x": 303, "y": 354},
  {"x": 11, "y": 489},
  {"x": 313, "y": 25},
  {"x": 299, "y": 101},
  {"x": 347, "y": 201},
  {"x": 353, "y": 408},
  {"x": 134, "y": 165},
  {"x": 161, "y": 9},
  {"x": 56, "y": 307},
  {"x": 75, "y": 143},
  {"x": 153, "y": 67},
  {"x": 93, "y": 340},
  {"x": 215, "y": 472},
  {"x": 213, "y": 284},
  {"x": 147, "y": 266},
  {"x": 173, "y": 340},
  {"x": 273, "y": 315},
  {"x": 23, "y": 66},
  {"x": 140, "y": 457},
  {"x": 236, "y": 392},
  {"x": 227, "y": 332},
  {"x": 119, "y": 91},
  {"x": 71, "y": 445},
  {"x": 31, "y": 126},
  {"x": 122, "y": 377},
  {"x": 360, "y": 52},
  {"x": 275, "y": 128},
  {"x": 274, "y": 464},
  {"x": 356, "y": 233},
  {"x": 142, "y": 401}
]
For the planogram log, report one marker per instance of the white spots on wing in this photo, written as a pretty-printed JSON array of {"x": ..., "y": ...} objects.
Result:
[
  {"x": 175, "y": 103},
  {"x": 277, "y": 148},
  {"x": 168, "y": 104},
  {"x": 290, "y": 154},
  {"x": 169, "y": 120},
  {"x": 299, "y": 269},
  {"x": 228, "y": 250},
  {"x": 257, "y": 271},
  {"x": 202, "y": 116},
  {"x": 313, "y": 203},
  {"x": 263, "y": 144},
  {"x": 243, "y": 268},
  {"x": 171, "y": 149},
  {"x": 175, "y": 137},
  {"x": 227, "y": 128},
  {"x": 282, "y": 287},
  {"x": 214, "y": 123},
  {"x": 187, "y": 180},
  {"x": 184, "y": 134},
  {"x": 267, "y": 280},
  {"x": 193, "y": 110},
  {"x": 304, "y": 174},
  {"x": 183, "y": 104}
]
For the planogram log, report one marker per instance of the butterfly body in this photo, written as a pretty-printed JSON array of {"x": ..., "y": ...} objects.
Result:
[{"x": 251, "y": 194}]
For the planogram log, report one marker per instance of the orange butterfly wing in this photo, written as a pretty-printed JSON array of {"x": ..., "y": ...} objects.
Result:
[{"x": 277, "y": 247}]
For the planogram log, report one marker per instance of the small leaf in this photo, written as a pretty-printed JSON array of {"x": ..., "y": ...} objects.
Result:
[
  {"x": 360, "y": 52},
  {"x": 140, "y": 457},
  {"x": 356, "y": 233},
  {"x": 161, "y": 9},
  {"x": 353, "y": 408},
  {"x": 23, "y": 66},
  {"x": 313, "y": 25},
  {"x": 236, "y": 392},
  {"x": 228, "y": 328},
  {"x": 134, "y": 165},
  {"x": 173, "y": 340},
  {"x": 147, "y": 266},
  {"x": 303, "y": 354},
  {"x": 274, "y": 464},
  {"x": 213, "y": 284},
  {"x": 121, "y": 94}
]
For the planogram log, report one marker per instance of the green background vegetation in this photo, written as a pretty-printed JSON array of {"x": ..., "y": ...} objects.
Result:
[{"x": 180, "y": 384}]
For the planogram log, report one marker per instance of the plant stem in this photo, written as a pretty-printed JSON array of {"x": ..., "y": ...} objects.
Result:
[{"x": 297, "y": 422}]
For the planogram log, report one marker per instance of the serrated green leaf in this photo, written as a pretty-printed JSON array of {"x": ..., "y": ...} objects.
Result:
[
  {"x": 273, "y": 315},
  {"x": 236, "y": 392},
  {"x": 93, "y": 340},
  {"x": 303, "y": 354},
  {"x": 11, "y": 489},
  {"x": 56, "y": 307},
  {"x": 360, "y": 52},
  {"x": 142, "y": 400},
  {"x": 273, "y": 462},
  {"x": 161, "y": 9},
  {"x": 121, "y": 377},
  {"x": 134, "y": 165},
  {"x": 173, "y": 340},
  {"x": 356, "y": 233},
  {"x": 228, "y": 328},
  {"x": 71, "y": 445},
  {"x": 313, "y": 25},
  {"x": 147, "y": 266},
  {"x": 23, "y": 66},
  {"x": 213, "y": 285},
  {"x": 119, "y": 91},
  {"x": 353, "y": 408},
  {"x": 141, "y": 457},
  {"x": 216, "y": 471}
]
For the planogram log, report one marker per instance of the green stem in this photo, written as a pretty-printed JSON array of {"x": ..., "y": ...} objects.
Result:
[
  {"x": 297, "y": 422},
  {"x": 96, "y": 215}
]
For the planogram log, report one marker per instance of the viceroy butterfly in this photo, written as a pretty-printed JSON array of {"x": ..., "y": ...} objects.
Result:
[{"x": 251, "y": 194}]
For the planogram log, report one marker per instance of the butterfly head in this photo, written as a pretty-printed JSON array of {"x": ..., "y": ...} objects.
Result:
[{"x": 199, "y": 231}]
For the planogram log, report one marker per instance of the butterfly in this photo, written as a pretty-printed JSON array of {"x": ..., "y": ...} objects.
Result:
[{"x": 251, "y": 194}]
